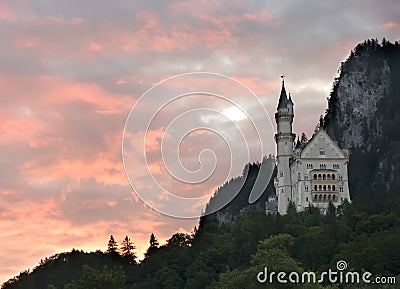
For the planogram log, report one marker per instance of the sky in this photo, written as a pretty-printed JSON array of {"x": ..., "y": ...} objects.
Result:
[{"x": 71, "y": 72}]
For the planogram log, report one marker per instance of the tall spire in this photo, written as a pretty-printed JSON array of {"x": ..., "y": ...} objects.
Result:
[{"x": 283, "y": 98}]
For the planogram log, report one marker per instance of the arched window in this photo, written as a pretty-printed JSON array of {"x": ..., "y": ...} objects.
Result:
[
  {"x": 324, "y": 197},
  {"x": 333, "y": 187},
  {"x": 329, "y": 187},
  {"x": 324, "y": 177},
  {"x": 324, "y": 187},
  {"x": 328, "y": 176},
  {"x": 320, "y": 196},
  {"x": 315, "y": 188},
  {"x": 329, "y": 196},
  {"x": 334, "y": 198},
  {"x": 333, "y": 177},
  {"x": 319, "y": 176},
  {"x": 315, "y": 176},
  {"x": 320, "y": 188}
]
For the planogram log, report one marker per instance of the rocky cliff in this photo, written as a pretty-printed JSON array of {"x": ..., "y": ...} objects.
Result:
[{"x": 364, "y": 116}]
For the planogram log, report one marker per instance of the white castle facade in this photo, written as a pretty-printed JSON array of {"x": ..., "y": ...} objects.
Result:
[{"x": 312, "y": 173}]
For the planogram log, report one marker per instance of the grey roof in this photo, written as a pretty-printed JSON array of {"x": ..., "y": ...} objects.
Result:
[
  {"x": 271, "y": 206},
  {"x": 283, "y": 97},
  {"x": 290, "y": 100}
]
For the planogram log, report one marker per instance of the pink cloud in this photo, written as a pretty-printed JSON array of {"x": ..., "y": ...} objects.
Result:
[
  {"x": 392, "y": 25},
  {"x": 93, "y": 46},
  {"x": 263, "y": 16}
]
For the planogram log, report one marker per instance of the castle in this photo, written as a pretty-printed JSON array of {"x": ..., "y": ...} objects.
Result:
[{"x": 311, "y": 173}]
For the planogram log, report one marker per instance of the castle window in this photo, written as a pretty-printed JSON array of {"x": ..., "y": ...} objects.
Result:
[
  {"x": 328, "y": 176},
  {"x": 334, "y": 198},
  {"x": 309, "y": 166},
  {"x": 320, "y": 196},
  {"x": 324, "y": 187},
  {"x": 315, "y": 176},
  {"x": 341, "y": 189},
  {"x": 340, "y": 178},
  {"x": 315, "y": 188},
  {"x": 306, "y": 188},
  {"x": 281, "y": 174},
  {"x": 329, "y": 196},
  {"x": 320, "y": 187},
  {"x": 333, "y": 177},
  {"x": 329, "y": 187},
  {"x": 306, "y": 177},
  {"x": 321, "y": 152},
  {"x": 319, "y": 176},
  {"x": 306, "y": 199},
  {"x": 333, "y": 187},
  {"x": 324, "y": 177}
]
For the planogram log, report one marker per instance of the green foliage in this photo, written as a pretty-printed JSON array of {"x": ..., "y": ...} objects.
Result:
[{"x": 96, "y": 279}]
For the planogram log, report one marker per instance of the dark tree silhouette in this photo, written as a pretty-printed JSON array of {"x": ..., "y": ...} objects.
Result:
[
  {"x": 153, "y": 246},
  {"x": 127, "y": 250},
  {"x": 303, "y": 139},
  {"x": 179, "y": 239},
  {"x": 112, "y": 246}
]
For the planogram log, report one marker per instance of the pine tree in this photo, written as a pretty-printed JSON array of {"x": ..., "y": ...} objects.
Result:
[
  {"x": 153, "y": 241},
  {"x": 153, "y": 245},
  {"x": 303, "y": 139},
  {"x": 127, "y": 250},
  {"x": 112, "y": 246}
]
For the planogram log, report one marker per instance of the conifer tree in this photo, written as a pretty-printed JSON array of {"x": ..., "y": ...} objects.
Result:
[
  {"x": 112, "y": 246},
  {"x": 127, "y": 250},
  {"x": 303, "y": 139},
  {"x": 153, "y": 245}
]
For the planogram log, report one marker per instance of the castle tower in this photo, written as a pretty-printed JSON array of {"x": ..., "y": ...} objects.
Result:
[{"x": 284, "y": 139}]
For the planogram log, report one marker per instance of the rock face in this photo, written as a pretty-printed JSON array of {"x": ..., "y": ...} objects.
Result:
[
  {"x": 364, "y": 80},
  {"x": 363, "y": 115}
]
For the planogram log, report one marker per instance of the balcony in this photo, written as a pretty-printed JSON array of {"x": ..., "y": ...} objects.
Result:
[{"x": 325, "y": 196}]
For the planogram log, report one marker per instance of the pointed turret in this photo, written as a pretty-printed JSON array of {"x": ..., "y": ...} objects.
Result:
[
  {"x": 284, "y": 139},
  {"x": 290, "y": 104},
  {"x": 290, "y": 99},
  {"x": 283, "y": 100}
]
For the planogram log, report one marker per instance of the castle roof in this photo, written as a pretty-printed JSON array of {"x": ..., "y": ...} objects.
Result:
[
  {"x": 283, "y": 100},
  {"x": 290, "y": 100},
  {"x": 321, "y": 131}
]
